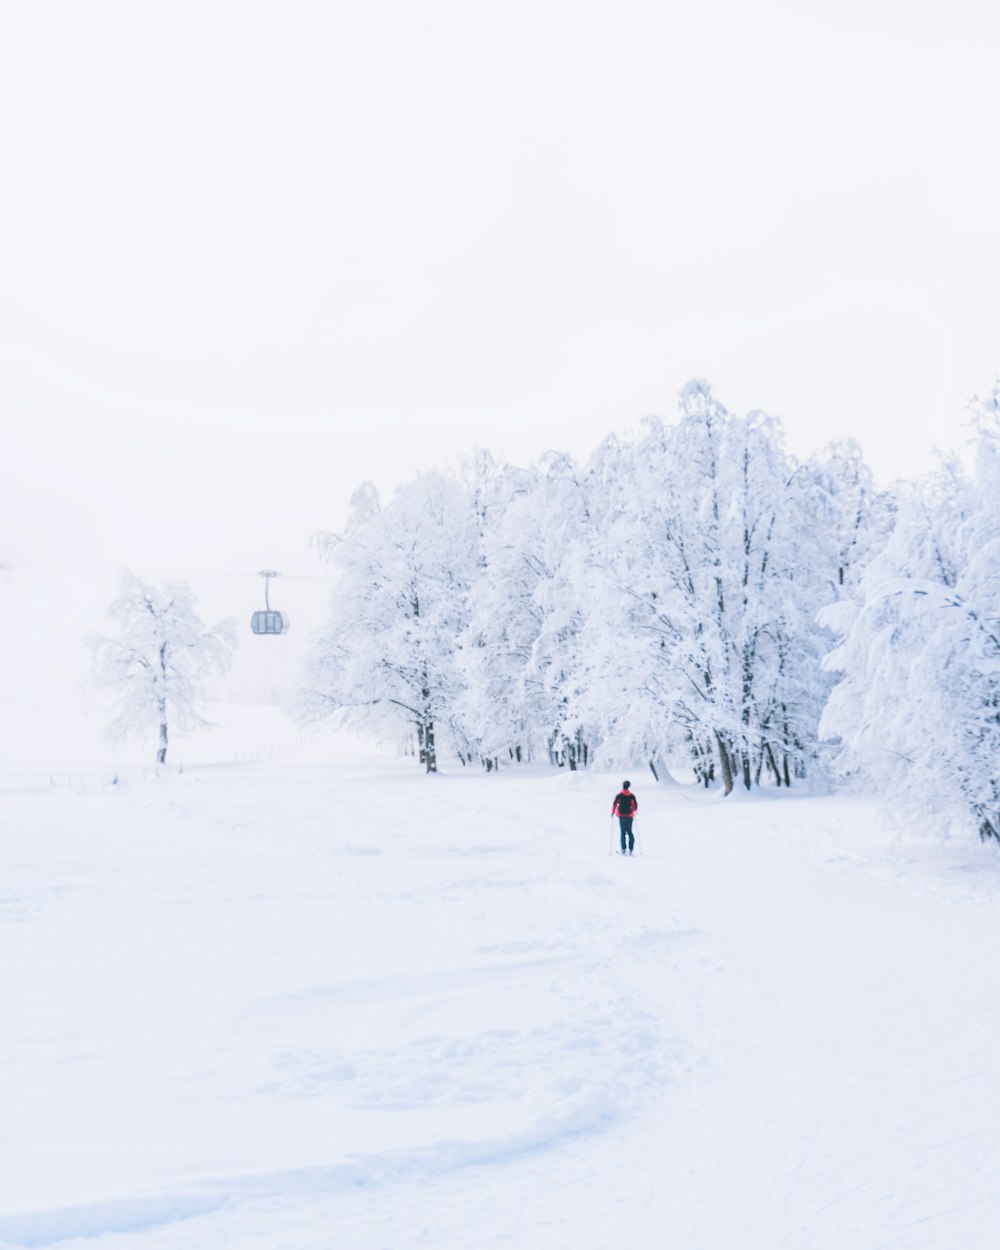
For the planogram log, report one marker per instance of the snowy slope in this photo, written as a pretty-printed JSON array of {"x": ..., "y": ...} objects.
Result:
[{"x": 325, "y": 1001}]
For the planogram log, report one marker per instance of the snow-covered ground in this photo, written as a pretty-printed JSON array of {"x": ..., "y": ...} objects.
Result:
[{"x": 321, "y": 1000}]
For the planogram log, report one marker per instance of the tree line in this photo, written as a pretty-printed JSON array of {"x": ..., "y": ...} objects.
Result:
[
  {"x": 692, "y": 598},
  {"x": 659, "y": 603}
]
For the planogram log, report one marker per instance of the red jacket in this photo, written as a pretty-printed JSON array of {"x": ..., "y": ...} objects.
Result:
[{"x": 635, "y": 803}]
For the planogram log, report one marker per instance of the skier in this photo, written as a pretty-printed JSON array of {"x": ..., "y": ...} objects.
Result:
[{"x": 625, "y": 806}]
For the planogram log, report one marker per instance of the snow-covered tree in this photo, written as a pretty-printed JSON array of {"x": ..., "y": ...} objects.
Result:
[
  {"x": 153, "y": 669},
  {"x": 917, "y": 707},
  {"x": 625, "y": 638},
  {"x": 520, "y": 654},
  {"x": 554, "y": 547},
  {"x": 387, "y": 660},
  {"x": 713, "y": 578},
  {"x": 493, "y": 710}
]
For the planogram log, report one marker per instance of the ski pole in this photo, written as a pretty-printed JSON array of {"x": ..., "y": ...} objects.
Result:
[
  {"x": 638, "y": 840},
  {"x": 611, "y": 844}
]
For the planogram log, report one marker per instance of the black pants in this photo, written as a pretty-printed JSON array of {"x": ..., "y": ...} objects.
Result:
[{"x": 626, "y": 824}]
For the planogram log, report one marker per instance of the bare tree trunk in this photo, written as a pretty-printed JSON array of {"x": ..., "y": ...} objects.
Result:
[
  {"x": 430, "y": 750},
  {"x": 425, "y": 727},
  {"x": 703, "y": 762},
  {"x": 161, "y": 754},
  {"x": 725, "y": 764}
]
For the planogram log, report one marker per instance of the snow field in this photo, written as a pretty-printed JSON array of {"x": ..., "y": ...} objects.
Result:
[
  {"x": 240, "y": 973},
  {"x": 327, "y": 1001}
]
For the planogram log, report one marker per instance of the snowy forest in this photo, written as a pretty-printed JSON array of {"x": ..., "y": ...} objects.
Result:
[{"x": 693, "y": 598}]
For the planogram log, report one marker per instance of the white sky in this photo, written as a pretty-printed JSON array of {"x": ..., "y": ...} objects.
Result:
[{"x": 253, "y": 253}]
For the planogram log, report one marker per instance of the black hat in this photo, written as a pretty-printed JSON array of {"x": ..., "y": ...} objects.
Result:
[{"x": 626, "y": 784}]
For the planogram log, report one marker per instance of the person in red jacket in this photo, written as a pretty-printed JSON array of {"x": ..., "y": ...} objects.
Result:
[{"x": 624, "y": 807}]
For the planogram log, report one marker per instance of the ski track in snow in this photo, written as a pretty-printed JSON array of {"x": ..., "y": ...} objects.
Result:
[{"x": 246, "y": 1015}]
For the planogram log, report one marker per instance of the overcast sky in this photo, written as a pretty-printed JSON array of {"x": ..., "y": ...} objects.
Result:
[{"x": 253, "y": 253}]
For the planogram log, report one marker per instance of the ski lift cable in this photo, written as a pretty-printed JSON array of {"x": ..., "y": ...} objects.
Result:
[{"x": 11, "y": 566}]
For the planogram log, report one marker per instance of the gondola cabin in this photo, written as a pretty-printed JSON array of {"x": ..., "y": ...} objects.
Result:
[{"x": 268, "y": 621}]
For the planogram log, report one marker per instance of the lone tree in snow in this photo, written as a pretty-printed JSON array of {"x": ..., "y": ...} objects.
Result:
[{"x": 154, "y": 669}]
